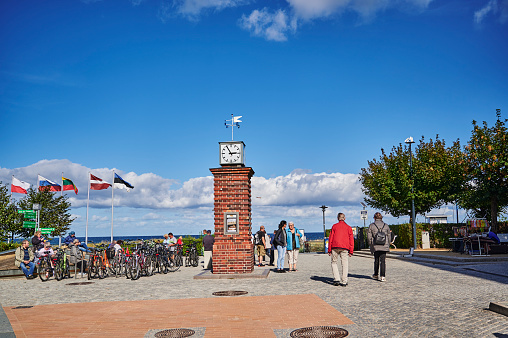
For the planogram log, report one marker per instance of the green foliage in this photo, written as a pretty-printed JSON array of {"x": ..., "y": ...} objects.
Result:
[
  {"x": 54, "y": 211},
  {"x": 9, "y": 218},
  {"x": 4, "y": 246},
  {"x": 438, "y": 234},
  {"x": 486, "y": 170},
  {"x": 189, "y": 240},
  {"x": 436, "y": 177}
]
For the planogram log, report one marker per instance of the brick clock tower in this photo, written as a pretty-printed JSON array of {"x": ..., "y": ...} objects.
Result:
[{"x": 233, "y": 251}]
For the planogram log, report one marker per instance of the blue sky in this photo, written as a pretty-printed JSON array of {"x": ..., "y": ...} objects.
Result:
[{"x": 144, "y": 87}]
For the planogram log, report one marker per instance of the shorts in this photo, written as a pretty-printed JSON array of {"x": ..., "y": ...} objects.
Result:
[{"x": 261, "y": 250}]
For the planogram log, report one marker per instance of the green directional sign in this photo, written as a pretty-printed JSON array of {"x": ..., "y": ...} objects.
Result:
[
  {"x": 28, "y": 224},
  {"x": 28, "y": 213},
  {"x": 47, "y": 231}
]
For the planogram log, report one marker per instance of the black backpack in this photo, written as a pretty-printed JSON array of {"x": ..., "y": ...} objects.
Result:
[{"x": 380, "y": 237}]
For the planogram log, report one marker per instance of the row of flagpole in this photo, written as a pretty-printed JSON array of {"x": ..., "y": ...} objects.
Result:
[{"x": 19, "y": 186}]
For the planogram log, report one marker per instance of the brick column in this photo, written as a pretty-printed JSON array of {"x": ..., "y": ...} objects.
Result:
[{"x": 232, "y": 253}]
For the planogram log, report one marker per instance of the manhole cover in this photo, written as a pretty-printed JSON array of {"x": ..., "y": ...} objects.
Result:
[
  {"x": 175, "y": 333},
  {"x": 320, "y": 331},
  {"x": 23, "y": 307},
  {"x": 229, "y": 293},
  {"x": 79, "y": 283}
]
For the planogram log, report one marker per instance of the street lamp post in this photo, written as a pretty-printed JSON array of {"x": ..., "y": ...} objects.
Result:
[
  {"x": 324, "y": 229},
  {"x": 410, "y": 141}
]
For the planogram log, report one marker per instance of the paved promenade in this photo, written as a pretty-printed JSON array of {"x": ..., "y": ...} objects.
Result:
[{"x": 419, "y": 299}]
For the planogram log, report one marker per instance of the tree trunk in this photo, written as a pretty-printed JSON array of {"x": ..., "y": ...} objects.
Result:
[{"x": 493, "y": 212}]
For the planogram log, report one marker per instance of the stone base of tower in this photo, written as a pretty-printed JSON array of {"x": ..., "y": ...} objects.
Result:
[{"x": 233, "y": 251}]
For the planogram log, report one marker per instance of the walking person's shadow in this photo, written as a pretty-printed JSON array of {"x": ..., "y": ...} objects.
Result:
[{"x": 329, "y": 280}]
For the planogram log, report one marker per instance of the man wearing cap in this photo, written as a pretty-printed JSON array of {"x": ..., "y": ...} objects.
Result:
[{"x": 69, "y": 240}]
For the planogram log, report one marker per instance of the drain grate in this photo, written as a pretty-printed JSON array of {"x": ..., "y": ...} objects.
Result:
[
  {"x": 320, "y": 331},
  {"x": 229, "y": 293},
  {"x": 23, "y": 307},
  {"x": 175, "y": 333},
  {"x": 79, "y": 283}
]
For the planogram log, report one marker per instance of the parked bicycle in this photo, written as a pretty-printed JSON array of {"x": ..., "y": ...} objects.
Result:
[
  {"x": 45, "y": 267},
  {"x": 191, "y": 255},
  {"x": 96, "y": 267},
  {"x": 61, "y": 264}
]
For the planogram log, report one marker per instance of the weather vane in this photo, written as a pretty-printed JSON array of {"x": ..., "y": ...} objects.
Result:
[{"x": 234, "y": 122}]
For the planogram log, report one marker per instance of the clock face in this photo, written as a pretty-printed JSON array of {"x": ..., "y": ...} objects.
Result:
[{"x": 231, "y": 153}]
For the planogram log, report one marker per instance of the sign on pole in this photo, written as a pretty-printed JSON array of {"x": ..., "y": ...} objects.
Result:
[
  {"x": 363, "y": 214},
  {"x": 47, "y": 231},
  {"x": 28, "y": 213},
  {"x": 28, "y": 224}
]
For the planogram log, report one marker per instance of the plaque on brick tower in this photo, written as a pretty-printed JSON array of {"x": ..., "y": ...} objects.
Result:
[{"x": 233, "y": 251}]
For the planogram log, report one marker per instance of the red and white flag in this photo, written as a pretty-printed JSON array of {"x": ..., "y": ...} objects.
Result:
[
  {"x": 98, "y": 184},
  {"x": 18, "y": 186}
]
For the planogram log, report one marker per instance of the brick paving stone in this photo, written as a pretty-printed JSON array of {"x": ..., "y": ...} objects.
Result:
[{"x": 419, "y": 299}]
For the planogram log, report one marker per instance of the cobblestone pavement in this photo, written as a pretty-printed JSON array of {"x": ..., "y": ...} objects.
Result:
[{"x": 418, "y": 300}]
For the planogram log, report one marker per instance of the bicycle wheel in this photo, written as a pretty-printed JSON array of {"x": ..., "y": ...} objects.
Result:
[
  {"x": 59, "y": 274},
  {"x": 67, "y": 270},
  {"x": 194, "y": 259},
  {"x": 127, "y": 268},
  {"x": 163, "y": 264},
  {"x": 100, "y": 267},
  {"x": 149, "y": 266},
  {"x": 178, "y": 260},
  {"x": 91, "y": 268},
  {"x": 44, "y": 270},
  {"x": 135, "y": 270}
]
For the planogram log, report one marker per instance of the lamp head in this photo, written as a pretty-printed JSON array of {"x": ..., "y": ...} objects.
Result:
[{"x": 409, "y": 140}]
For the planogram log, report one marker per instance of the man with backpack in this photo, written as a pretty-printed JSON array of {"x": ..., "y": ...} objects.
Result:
[
  {"x": 259, "y": 241},
  {"x": 379, "y": 240}
]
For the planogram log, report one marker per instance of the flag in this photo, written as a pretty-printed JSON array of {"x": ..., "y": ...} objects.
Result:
[
  {"x": 47, "y": 185},
  {"x": 236, "y": 119},
  {"x": 121, "y": 184},
  {"x": 69, "y": 185},
  {"x": 98, "y": 184},
  {"x": 19, "y": 186}
]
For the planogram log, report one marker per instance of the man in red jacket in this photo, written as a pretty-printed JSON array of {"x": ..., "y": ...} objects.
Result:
[{"x": 341, "y": 244}]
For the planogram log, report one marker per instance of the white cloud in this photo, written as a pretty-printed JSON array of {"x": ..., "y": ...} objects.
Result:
[
  {"x": 303, "y": 188},
  {"x": 490, "y": 7},
  {"x": 277, "y": 24},
  {"x": 192, "y": 9},
  {"x": 308, "y": 10},
  {"x": 497, "y": 9},
  {"x": 270, "y": 25}
]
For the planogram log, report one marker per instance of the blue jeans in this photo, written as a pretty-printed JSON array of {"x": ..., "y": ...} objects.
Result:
[
  {"x": 30, "y": 270},
  {"x": 83, "y": 247},
  {"x": 281, "y": 250}
]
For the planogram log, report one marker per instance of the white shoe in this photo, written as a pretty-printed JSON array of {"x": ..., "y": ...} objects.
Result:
[
  {"x": 375, "y": 277},
  {"x": 383, "y": 279}
]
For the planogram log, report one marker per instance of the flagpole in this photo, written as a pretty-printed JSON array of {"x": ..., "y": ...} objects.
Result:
[
  {"x": 61, "y": 195},
  {"x": 112, "y": 203},
  {"x": 10, "y": 198},
  {"x": 87, "y": 203}
]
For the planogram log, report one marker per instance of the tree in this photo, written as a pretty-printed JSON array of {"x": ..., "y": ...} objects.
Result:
[
  {"x": 54, "y": 211},
  {"x": 437, "y": 178},
  {"x": 486, "y": 170},
  {"x": 9, "y": 218}
]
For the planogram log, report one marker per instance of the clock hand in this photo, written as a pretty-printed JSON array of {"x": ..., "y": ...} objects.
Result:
[{"x": 230, "y": 153}]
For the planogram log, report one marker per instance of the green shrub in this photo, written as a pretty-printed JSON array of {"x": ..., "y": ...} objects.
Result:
[{"x": 4, "y": 246}]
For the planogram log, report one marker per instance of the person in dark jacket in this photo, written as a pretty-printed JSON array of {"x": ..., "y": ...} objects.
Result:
[
  {"x": 341, "y": 244},
  {"x": 208, "y": 242},
  {"x": 379, "y": 250},
  {"x": 70, "y": 240},
  {"x": 280, "y": 242},
  {"x": 38, "y": 241}
]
